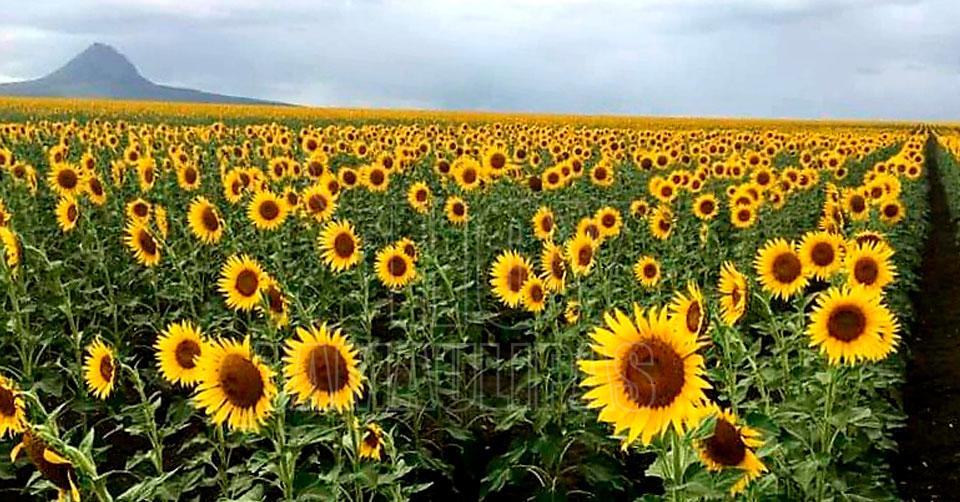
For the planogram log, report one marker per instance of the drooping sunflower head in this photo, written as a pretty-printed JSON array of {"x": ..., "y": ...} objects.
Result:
[
  {"x": 275, "y": 303},
  {"x": 54, "y": 467},
  {"x": 320, "y": 368},
  {"x": 647, "y": 271},
  {"x": 394, "y": 268},
  {"x": 734, "y": 294},
  {"x": 100, "y": 369},
  {"x": 339, "y": 245},
  {"x": 456, "y": 210},
  {"x": 234, "y": 386},
  {"x": 509, "y": 273},
  {"x": 553, "y": 267},
  {"x": 731, "y": 445},
  {"x": 689, "y": 312},
  {"x": 140, "y": 241},
  {"x": 850, "y": 325},
  {"x": 780, "y": 269},
  {"x": 204, "y": 220},
  {"x": 12, "y": 412},
  {"x": 267, "y": 211},
  {"x": 419, "y": 197},
  {"x": 544, "y": 223},
  {"x": 179, "y": 348},
  {"x": 870, "y": 266},
  {"x": 652, "y": 376},
  {"x": 580, "y": 251},
  {"x": 68, "y": 212},
  {"x": 371, "y": 442},
  {"x": 241, "y": 281}
]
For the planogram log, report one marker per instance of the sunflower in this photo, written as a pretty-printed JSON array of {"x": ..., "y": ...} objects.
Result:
[
  {"x": 780, "y": 269},
  {"x": 394, "y": 268},
  {"x": 855, "y": 203},
  {"x": 204, "y": 220},
  {"x": 138, "y": 210},
  {"x": 495, "y": 161},
  {"x": 849, "y": 325},
  {"x": 661, "y": 222},
  {"x": 147, "y": 173},
  {"x": 892, "y": 211},
  {"x": 509, "y": 273},
  {"x": 375, "y": 178},
  {"x": 348, "y": 177},
  {"x": 68, "y": 212},
  {"x": 94, "y": 189},
  {"x": 602, "y": 174},
  {"x": 553, "y": 264},
  {"x": 822, "y": 253},
  {"x": 409, "y": 248},
  {"x": 734, "y": 293},
  {"x": 647, "y": 271},
  {"x": 145, "y": 248},
  {"x": 689, "y": 312},
  {"x": 188, "y": 177},
  {"x": 100, "y": 369},
  {"x": 371, "y": 443},
  {"x": 419, "y": 197},
  {"x": 234, "y": 386},
  {"x": 318, "y": 202},
  {"x": 639, "y": 209},
  {"x": 178, "y": 350},
  {"x": 730, "y": 445},
  {"x": 234, "y": 185},
  {"x": 339, "y": 245},
  {"x": 321, "y": 369},
  {"x": 705, "y": 206},
  {"x": 544, "y": 223},
  {"x": 56, "y": 469},
  {"x": 534, "y": 295},
  {"x": 12, "y": 415},
  {"x": 65, "y": 179},
  {"x": 580, "y": 251},
  {"x": 457, "y": 210},
  {"x": 743, "y": 216},
  {"x": 267, "y": 211},
  {"x": 276, "y": 303},
  {"x": 609, "y": 221},
  {"x": 160, "y": 218},
  {"x": 467, "y": 173},
  {"x": 591, "y": 228},
  {"x": 870, "y": 266},
  {"x": 241, "y": 281},
  {"x": 571, "y": 311},
  {"x": 11, "y": 246},
  {"x": 653, "y": 376}
]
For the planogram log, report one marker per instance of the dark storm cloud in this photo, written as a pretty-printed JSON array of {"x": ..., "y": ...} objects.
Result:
[{"x": 802, "y": 58}]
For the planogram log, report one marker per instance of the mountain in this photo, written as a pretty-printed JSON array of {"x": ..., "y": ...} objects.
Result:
[{"x": 102, "y": 72}]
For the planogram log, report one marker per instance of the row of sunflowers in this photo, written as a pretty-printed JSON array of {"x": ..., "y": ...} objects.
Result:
[{"x": 355, "y": 308}]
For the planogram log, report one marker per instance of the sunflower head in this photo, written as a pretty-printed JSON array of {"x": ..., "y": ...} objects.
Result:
[
  {"x": 580, "y": 250},
  {"x": 647, "y": 271},
  {"x": 508, "y": 275},
  {"x": 100, "y": 369},
  {"x": 394, "y": 268},
  {"x": 734, "y": 293},
  {"x": 780, "y": 269},
  {"x": 234, "y": 386},
  {"x": 339, "y": 245},
  {"x": 456, "y": 210},
  {"x": 241, "y": 282},
  {"x": 850, "y": 325},
  {"x": 544, "y": 223},
  {"x": 141, "y": 242},
  {"x": 204, "y": 221},
  {"x": 689, "y": 312},
  {"x": 179, "y": 348},
  {"x": 12, "y": 414},
  {"x": 371, "y": 442},
  {"x": 731, "y": 445},
  {"x": 320, "y": 367}
]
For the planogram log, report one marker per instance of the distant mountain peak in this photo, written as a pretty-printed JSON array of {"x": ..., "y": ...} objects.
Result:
[{"x": 101, "y": 71}]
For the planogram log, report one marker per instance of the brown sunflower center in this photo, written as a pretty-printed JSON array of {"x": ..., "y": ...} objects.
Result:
[
  {"x": 725, "y": 446},
  {"x": 891, "y": 210},
  {"x": 241, "y": 381},
  {"x": 8, "y": 403},
  {"x": 546, "y": 223},
  {"x": 67, "y": 179},
  {"x": 786, "y": 268},
  {"x": 649, "y": 270},
  {"x": 349, "y": 177},
  {"x": 592, "y": 231},
  {"x": 247, "y": 283},
  {"x": 858, "y": 204},
  {"x": 421, "y": 195},
  {"x": 664, "y": 225},
  {"x": 147, "y": 244},
  {"x": 822, "y": 254},
  {"x": 459, "y": 209},
  {"x": 371, "y": 439},
  {"x": 148, "y": 175},
  {"x": 140, "y": 209},
  {"x": 209, "y": 219},
  {"x": 96, "y": 187},
  {"x": 707, "y": 207},
  {"x": 396, "y": 266},
  {"x": 536, "y": 293},
  {"x": 744, "y": 215},
  {"x": 377, "y": 177},
  {"x": 516, "y": 278},
  {"x": 846, "y": 323},
  {"x": 652, "y": 374},
  {"x": 600, "y": 173},
  {"x": 269, "y": 210},
  {"x": 106, "y": 367},
  {"x": 275, "y": 299},
  {"x": 186, "y": 353},
  {"x": 469, "y": 175},
  {"x": 694, "y": 315},
  {"x": 72, "y": 212},
  {"x": 317, "y": 203},
  {"x": 608, "y": 220},
  {"x": 584, "y": 255},
  {"x": 866, "y": 271},
  {"x": 327, "y": 369},
  {"x": 498, "y": 160},
  {"x": 343, "y": 245},
  {"x": 190, "y": 175},
  {"x": 556, "y": 266}
]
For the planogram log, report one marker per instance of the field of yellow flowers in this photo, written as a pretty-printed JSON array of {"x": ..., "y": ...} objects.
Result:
[{"x": 256, "y": 303}]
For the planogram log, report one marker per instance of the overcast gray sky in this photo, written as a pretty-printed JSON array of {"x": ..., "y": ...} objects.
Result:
[{"x": 779, "y": 58}]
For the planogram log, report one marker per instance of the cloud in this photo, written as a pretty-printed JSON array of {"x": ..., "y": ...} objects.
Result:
[{"x": 800, "y": 58}]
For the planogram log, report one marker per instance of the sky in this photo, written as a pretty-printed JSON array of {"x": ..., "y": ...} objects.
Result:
[{"x": 896, "y": 59}]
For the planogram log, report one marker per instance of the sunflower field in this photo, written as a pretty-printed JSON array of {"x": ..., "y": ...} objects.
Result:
[{"x": 266, "y": 303}]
